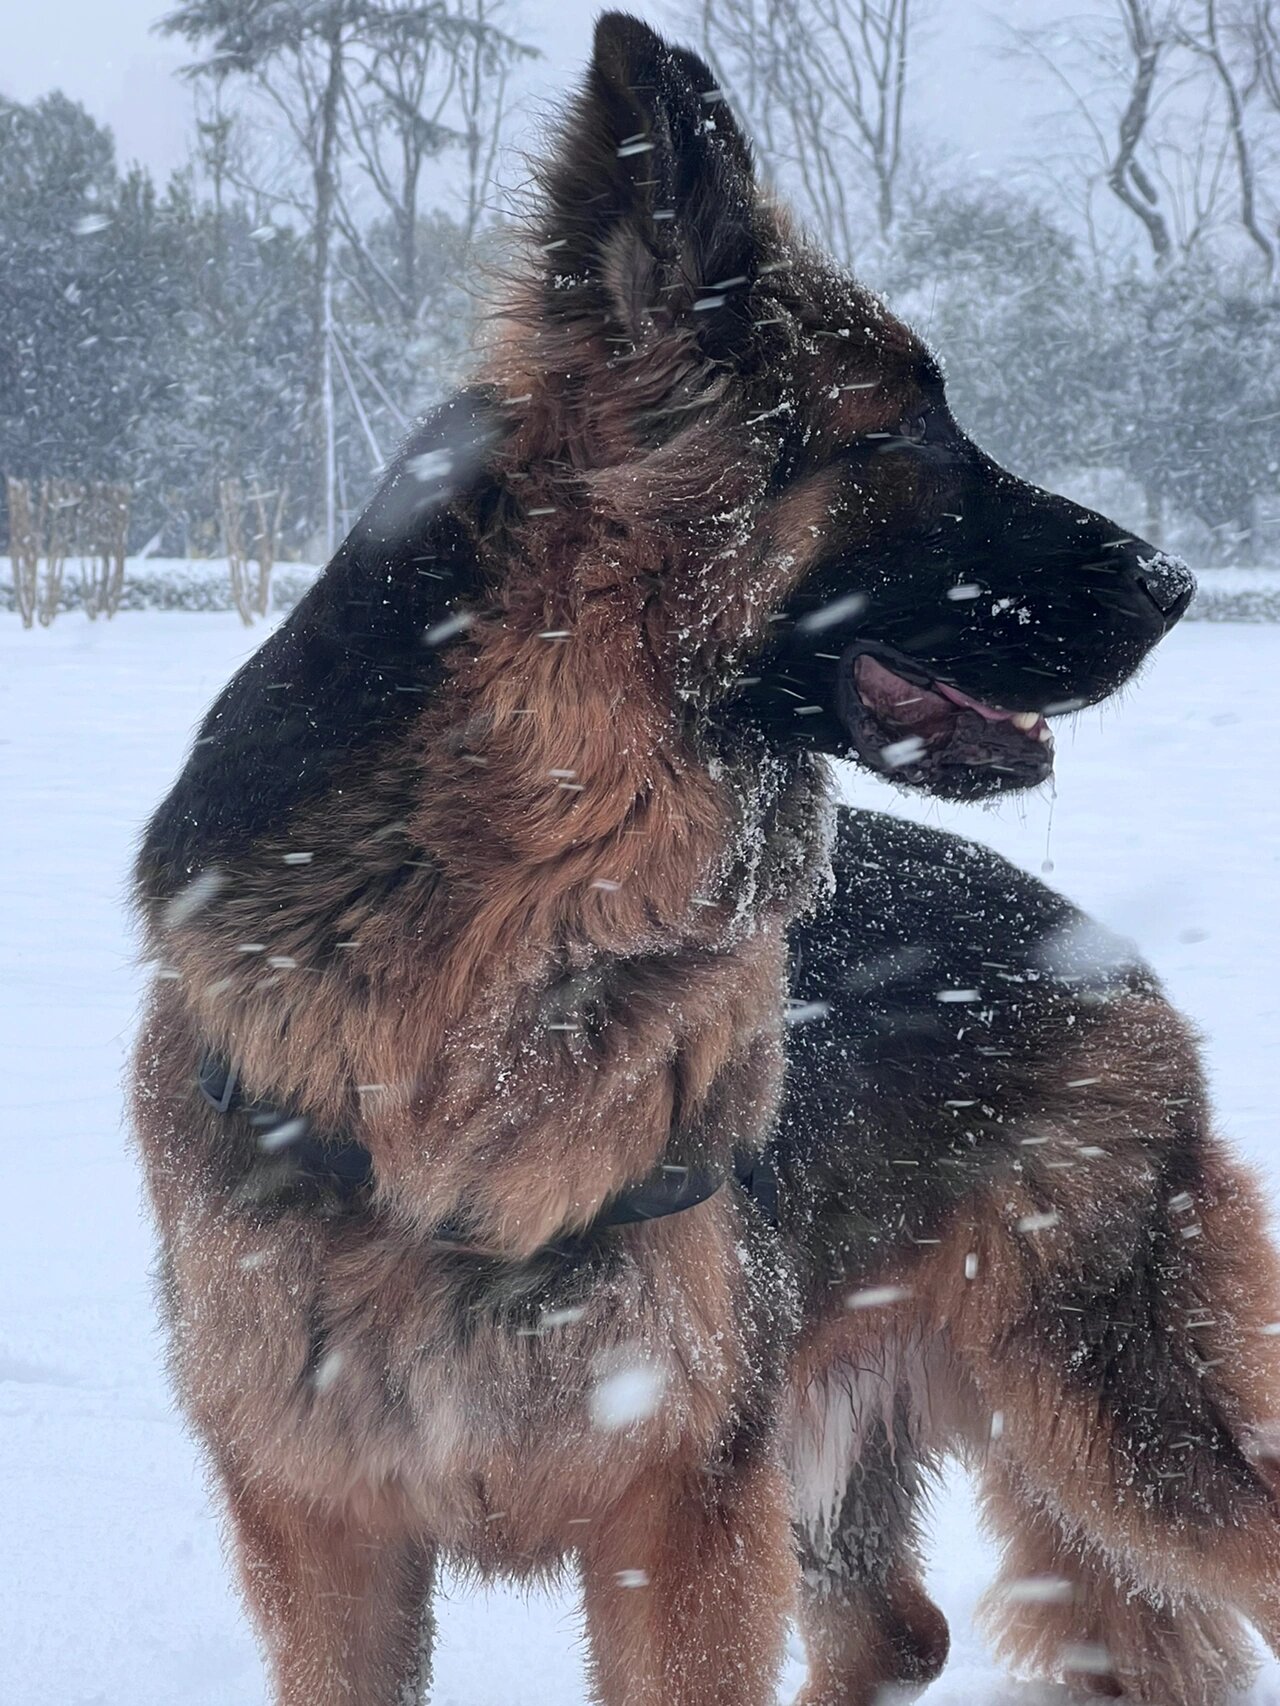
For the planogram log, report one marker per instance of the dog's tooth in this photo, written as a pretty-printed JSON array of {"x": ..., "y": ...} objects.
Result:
[
  {"x": 1025, "y": 720},
  {"x": 1046, "y": 734}
]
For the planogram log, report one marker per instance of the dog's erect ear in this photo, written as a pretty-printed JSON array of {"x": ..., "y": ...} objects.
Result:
[{"x": 652, "y": 194}]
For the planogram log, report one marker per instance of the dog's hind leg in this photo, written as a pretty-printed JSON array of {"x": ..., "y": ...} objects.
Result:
[
  {"x": 688, "y": 1582},
  {"x": 342, "y": 1608},
  {"x": 857, "y": 1464},
  {"x": 1062, "y": 1608},
  {"x": 1118, "y": 1328}
]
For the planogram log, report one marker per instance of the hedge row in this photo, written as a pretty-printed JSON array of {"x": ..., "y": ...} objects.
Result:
[{"x": 1224, "y": 596}]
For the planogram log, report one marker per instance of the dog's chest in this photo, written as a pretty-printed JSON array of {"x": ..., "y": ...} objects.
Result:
[{"x": 503, "y": 1426}]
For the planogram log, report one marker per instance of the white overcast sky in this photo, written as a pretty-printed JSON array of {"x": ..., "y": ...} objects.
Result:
[{"x": 102, "y": 52}]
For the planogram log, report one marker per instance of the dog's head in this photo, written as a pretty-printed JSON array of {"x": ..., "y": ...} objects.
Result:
[{"x": 843, "y": 567}]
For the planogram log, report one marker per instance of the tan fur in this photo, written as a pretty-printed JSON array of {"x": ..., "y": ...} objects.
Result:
[
  {"x": 690, "y": 1579},
  {"x": 344, "y": 1608},
  {"x": 536, "y": 946},
  {"x": 872, "y": 1644},
  {"x": 355, "y": 1440},
  {"x": 1062, "y": 1608},
  {"x": 1150, "y": 1581},
  {"x": 440, "y": 1021}
]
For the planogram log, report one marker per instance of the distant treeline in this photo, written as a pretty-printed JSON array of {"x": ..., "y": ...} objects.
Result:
[
  {"x": 276, "y": 314},
  {"x": 153, "y": 337}
]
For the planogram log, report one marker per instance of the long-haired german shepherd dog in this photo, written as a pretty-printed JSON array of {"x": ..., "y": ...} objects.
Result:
[{"x": 493, "y": 1228}]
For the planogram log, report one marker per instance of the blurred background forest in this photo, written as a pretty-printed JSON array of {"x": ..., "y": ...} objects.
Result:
[{"x": 260, "y": 327}]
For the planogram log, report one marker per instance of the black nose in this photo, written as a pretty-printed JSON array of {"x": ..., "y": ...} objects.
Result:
[{"x": 1166, "y": 581}]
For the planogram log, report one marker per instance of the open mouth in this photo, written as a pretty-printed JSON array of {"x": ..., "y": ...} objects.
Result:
[{"x": 927, "y": 734}]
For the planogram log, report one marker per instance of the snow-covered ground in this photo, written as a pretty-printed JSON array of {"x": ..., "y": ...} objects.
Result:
[{"x": 113, "y": 1591}]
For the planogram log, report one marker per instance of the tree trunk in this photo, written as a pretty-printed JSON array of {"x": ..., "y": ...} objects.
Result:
[
  {"x": 1154, "y": 501},
  {"x": 321, "y": 410},
  {"x": 330, "y": 427},
  {"x": 1247, "y": 535}
]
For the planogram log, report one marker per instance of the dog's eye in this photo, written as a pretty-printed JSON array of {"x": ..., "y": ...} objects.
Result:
[{"x": 917, "y": 427}]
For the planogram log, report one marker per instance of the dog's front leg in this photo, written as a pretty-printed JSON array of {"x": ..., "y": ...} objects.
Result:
[
  {"x": 688, "y": 1583},
  {"x": 341, "y": 1603}
]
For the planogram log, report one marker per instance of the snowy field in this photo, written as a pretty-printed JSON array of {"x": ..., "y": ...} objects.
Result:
[{"x": 113, "y": 1591}]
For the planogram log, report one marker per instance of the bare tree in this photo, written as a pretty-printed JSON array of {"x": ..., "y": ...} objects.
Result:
[
  {"x": 1203, "y": 36},
  {"x": 430, "y": 78},
  {"x": 55, "y": 520},
  {"x": 62, "y": 508},
  {"x": 488, "y": 55},
  {"x": 1109, "y": 68},
  {"x": 265, "y": 543},
  {"x": 1254, "y": 28},
  {"x": 299, "y": 56},
  {"x": 395, "y": 113},
  {"x": 1147, "y": 39},
  {"x": 368, "y": 93},
  {"x": 231, "y": 503},
  {"x": 1161, "y": 90},
  {"x": 1260, "y": 21},
  {"x": 824, "y": 86},
  {"x": 102, "y": 514},
  {"x": 250, "y": 596},
  {"x": 25, "y": 538}
]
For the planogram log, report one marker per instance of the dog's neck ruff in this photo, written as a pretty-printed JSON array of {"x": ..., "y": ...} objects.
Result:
[{"x": 346, "y": 1167}]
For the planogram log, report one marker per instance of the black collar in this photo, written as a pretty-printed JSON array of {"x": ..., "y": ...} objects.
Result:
[{"x": 346, "y": 1167}]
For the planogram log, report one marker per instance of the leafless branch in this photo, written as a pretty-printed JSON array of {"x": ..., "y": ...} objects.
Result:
[
  {"x": 1204, "y": 39},
  {"x": 824, "y": 86}
]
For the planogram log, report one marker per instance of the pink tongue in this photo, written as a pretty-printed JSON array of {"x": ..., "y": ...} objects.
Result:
[{"x": 958, "y": 698}]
